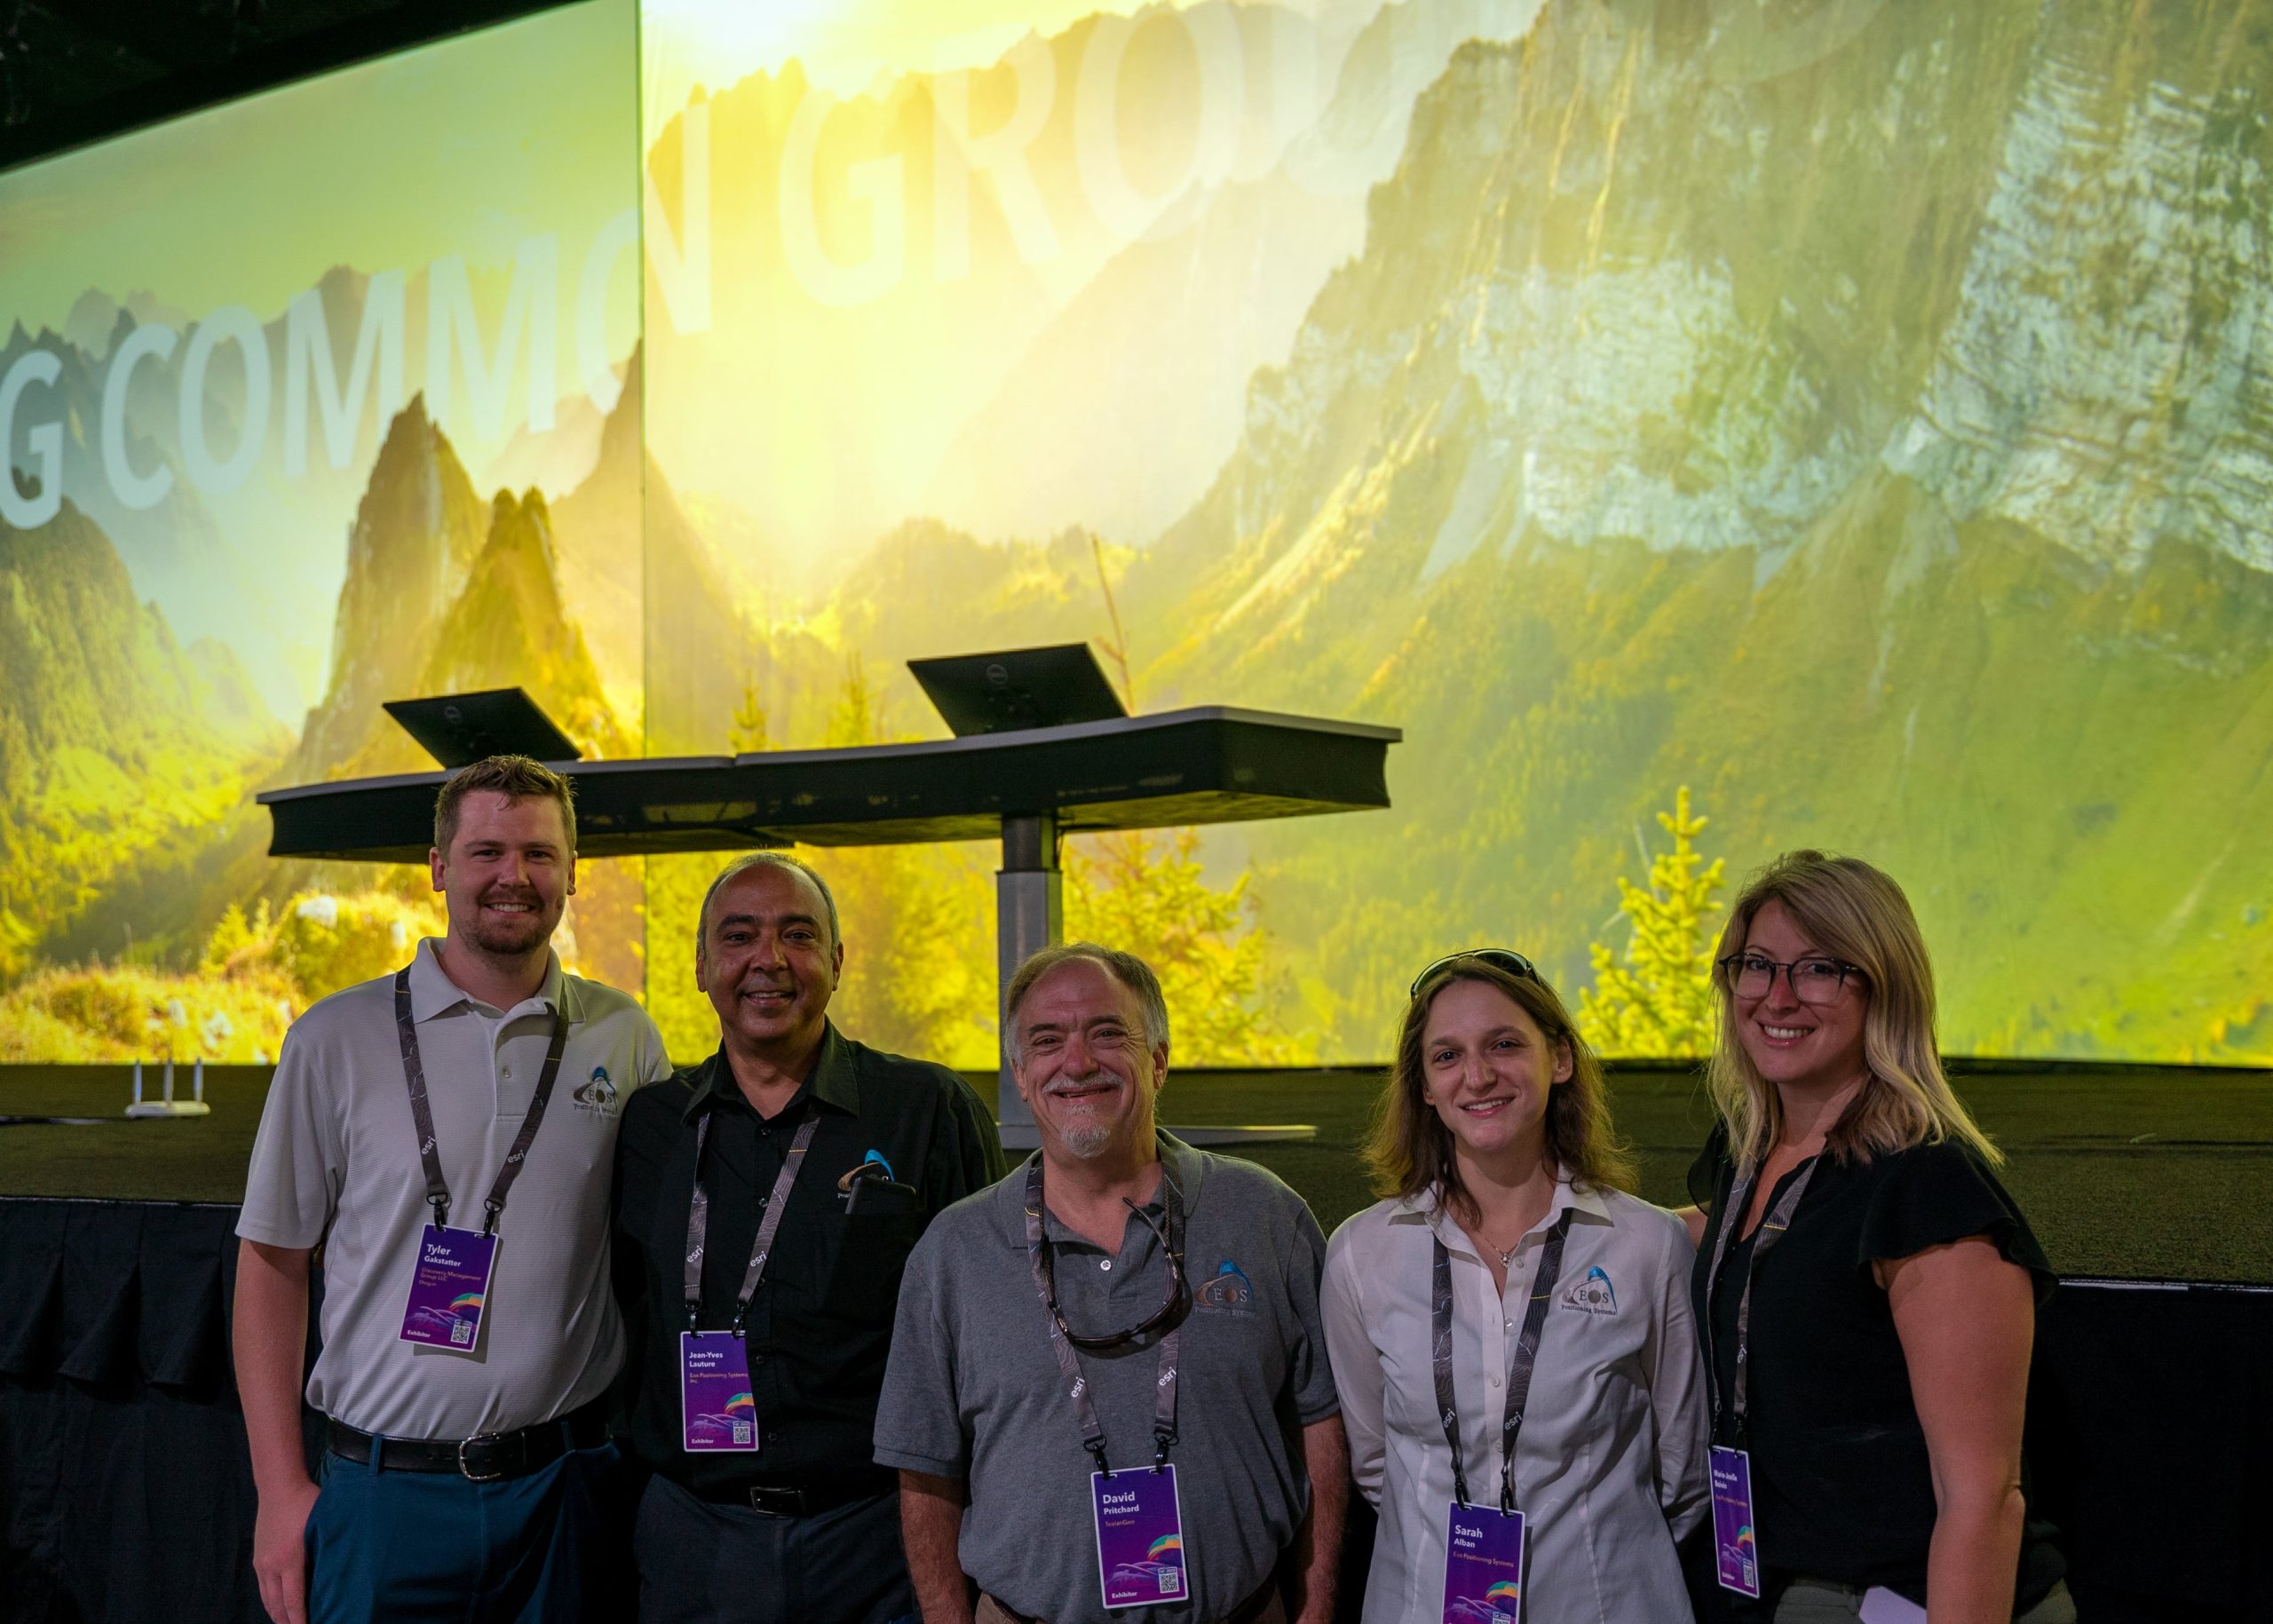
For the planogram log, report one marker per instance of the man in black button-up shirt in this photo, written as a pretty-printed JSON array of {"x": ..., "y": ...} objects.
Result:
[{"x": 803, "y": 1528}]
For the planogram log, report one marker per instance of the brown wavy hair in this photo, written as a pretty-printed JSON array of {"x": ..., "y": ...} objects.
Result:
[
  {"x": 1410, "y": 1150},
  {"x": 1857, "y": 913}
]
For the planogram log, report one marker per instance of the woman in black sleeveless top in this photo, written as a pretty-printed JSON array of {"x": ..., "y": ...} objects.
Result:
[{"x": 1885, "y": 1349}]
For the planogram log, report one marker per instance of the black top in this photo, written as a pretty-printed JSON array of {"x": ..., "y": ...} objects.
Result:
[
  {"x": 1841, "y": 1488},
  {"x": 821, "y": 1323}
]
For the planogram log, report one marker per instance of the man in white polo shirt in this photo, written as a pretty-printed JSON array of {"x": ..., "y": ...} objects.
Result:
[{"x": 446, "y": 1135}]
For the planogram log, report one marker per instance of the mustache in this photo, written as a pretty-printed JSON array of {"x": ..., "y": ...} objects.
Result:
[{"x": 1067, "y": 1085}]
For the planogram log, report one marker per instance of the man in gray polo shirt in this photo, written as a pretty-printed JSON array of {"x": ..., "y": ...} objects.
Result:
[
  {"x": 1121, "y": 1425},
  {"x": 446, "y": 1135}
]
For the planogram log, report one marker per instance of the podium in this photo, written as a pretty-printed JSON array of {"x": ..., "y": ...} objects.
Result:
[{"x": 1027, "y": 786}]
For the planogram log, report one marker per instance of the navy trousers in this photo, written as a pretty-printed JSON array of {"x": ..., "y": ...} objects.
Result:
[
  {"x": 704, "y": 1564},
  {"x": 547, "y": 1549}
]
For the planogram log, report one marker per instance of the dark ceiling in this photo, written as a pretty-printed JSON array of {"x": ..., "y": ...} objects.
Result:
[{"x": 75, "y": 71}]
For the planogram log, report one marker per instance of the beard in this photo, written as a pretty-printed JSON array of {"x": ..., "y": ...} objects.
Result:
[
  {"x": 511, "y": 936},
  {"x": 1086, "y": 1141},
  {"x": 1084, "y": 1131}
]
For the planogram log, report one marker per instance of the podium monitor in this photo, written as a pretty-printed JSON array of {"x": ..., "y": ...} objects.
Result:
[
  {"x": 460, "y": 729},
  {"x": 1018, "y": 688}
]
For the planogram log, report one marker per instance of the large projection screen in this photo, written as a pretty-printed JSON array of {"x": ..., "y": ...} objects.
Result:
[
  {"x": 1705, "y": 429},
  {"x": 1855, "y": 415}
]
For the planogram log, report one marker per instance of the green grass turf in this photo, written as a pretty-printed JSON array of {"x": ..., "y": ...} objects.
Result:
[{"x": 2125, "y": 1172}]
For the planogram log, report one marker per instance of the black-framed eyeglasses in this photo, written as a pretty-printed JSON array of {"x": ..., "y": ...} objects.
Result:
[
  {"x": 1816, "y": 978},
  {"x": 1499, "y": 958},
  {"x": 1178, "y": 1302}
]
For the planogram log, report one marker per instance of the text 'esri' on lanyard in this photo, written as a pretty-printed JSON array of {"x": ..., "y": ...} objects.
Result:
[
  {"x": 1138, "y": 1516},
  {"x": 1483, "y": 1546},
  {"x": 1736, "y": 1544},
  {"x": 717, "y": 1405},
  {"x": 449, "y": 1286}
]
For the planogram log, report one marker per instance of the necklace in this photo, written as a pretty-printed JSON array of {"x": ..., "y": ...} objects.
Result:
[{"x": 1508, "y": 1257}]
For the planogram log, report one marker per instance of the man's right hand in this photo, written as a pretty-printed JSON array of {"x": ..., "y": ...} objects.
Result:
[
  {"x": 931, "y": 1523},
  {"x": 279, "y": 1551},
  {"x": 268, "y": 1338}
]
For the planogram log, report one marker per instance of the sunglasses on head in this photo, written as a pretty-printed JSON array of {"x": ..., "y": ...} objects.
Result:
[{"x": 1499, "y": 958}]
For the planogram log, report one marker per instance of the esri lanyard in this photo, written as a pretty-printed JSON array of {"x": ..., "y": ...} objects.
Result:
[
  {"x": 1139, "y": 1516},
  {"x": 1735, "y": 1545},
  {"x": 1069, "y": 1363},
  {"x": 717, "y": 1401},
  {"x": 698, "y": 1224},
  {"x": 1519, "y": 1372},
  {"x": 413, "y": 1071},
  {"x": 449, "y": 1286},
  {"x": 1484, "y": 1546},
  {"x": 1771, "y": 1229}
]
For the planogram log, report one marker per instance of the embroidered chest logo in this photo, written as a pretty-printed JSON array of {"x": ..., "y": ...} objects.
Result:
[
  {"x": 1593, "y": 1295},
  {"x": 597, "y": 1098},
  {"x": 1228, "y": 1290}
]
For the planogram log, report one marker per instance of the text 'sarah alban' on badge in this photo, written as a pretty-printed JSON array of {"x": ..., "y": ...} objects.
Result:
[
  {"x": 449, "y": 1288},
  {"x": 1483, "y": 1566}
]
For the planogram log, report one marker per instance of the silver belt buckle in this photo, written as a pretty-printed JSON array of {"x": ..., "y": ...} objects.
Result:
[{"x": 467, "y": 1472}]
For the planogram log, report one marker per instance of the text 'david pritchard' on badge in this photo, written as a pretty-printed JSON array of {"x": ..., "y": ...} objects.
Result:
[{"x": 1140, "y": 1536}]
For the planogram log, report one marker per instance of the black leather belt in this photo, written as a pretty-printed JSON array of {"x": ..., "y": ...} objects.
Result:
[
  {"x": 487, "y": 1457},
  {"x": 806, "y": 1499},
  {"x": 1255, "y": 1607}
]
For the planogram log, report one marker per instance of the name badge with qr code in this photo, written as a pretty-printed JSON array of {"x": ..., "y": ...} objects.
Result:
[
  {"x": 1140, "y": 1536},
  {"x": 449, "y": 1288},
  {"x": 718, "y": 1410}
]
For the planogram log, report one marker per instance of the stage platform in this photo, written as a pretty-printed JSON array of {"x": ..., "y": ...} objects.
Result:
[
  {"x": 2150, "y": 1409},
  {"x": 2128, "y": 1172}
]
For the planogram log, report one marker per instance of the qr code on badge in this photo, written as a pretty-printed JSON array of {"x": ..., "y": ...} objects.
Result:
[
  {"x": 1172, "y": 1581},
  {"x": 462, "y": 1333},
  {"x": 741, "y": 1432}
]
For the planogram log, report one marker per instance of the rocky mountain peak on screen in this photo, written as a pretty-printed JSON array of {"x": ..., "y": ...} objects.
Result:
[
  {"x": 508, "y": 628},
  {"x": 1868, "y": 440},
  {"x": 94, "y": 687},
  {"x": 417, "y": 530},
  {"x": 1621, "y": 287}
]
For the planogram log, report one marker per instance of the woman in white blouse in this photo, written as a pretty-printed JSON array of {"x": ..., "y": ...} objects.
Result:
[{"x": 1493, "y": 1139}]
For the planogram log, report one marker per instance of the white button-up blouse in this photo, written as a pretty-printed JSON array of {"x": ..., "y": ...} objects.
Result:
[{"x": 1611, "y": 1462}]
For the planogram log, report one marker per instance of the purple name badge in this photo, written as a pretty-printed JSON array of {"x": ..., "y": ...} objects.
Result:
[
  {"x": 1140, "y": 1536},
  {"x": 716, "y": 1410},
  {"x": 1736, "y": 1553},
  {"x": 1483, "y": 1566},
  {"x": 449, "y": 1288}
]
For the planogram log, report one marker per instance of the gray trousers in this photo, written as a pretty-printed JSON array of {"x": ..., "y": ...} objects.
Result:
[
  {"x": 1819, "y": 1601},
  {"x": 704, "y": 1564}
]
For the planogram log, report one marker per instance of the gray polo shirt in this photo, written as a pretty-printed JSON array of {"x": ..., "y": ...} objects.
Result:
[
  {"x": 973, "y": 1391},
  {"x": 336, "y": 1162}
]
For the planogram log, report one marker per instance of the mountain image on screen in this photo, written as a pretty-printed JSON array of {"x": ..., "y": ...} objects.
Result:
[{"x": 1855, "y": 413}]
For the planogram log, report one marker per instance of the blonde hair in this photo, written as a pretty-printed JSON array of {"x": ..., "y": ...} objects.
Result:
[
  {"x": 1856, "y": 913},
  {"x": 1410, "y": 1150}
]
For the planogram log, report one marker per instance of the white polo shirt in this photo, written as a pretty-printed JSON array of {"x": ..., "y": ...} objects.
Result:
[
  {"x": 1611, "y": 1464},
  {"x": 336, "y": 1163}
]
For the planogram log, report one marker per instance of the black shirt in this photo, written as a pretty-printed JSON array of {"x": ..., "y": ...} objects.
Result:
[
  {"x": 821, "y": 1323},
  {"x": 1841, "y": 1486}
]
